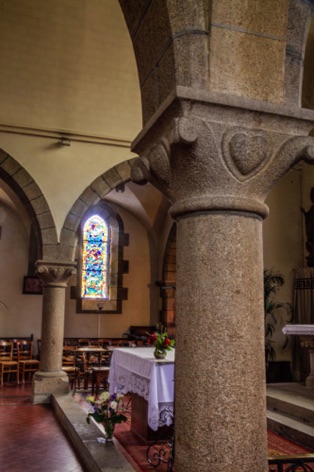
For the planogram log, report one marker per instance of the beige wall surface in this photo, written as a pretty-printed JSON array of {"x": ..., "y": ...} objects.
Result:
[
  {"x": 22, "y": 316},
  {"x": 67, "y": 68},
  {"x": 283, "y": 244},
  {"x": 62, "y": 173},
  {"x": 136, "y": 310},
  {"x": 68, "y": 65}
]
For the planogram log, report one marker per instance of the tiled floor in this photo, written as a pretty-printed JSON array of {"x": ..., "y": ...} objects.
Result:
[{"x": 31, "y": 437}]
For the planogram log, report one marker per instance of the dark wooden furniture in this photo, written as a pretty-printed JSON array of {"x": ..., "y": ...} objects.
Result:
[
  {"x": 8, "y": 366},
  {"x": 99, "y": 375},
  {"x": 139, "y": 424},
  {"x": 27, "y": 364},
  {"x": 85, "y": 359}
]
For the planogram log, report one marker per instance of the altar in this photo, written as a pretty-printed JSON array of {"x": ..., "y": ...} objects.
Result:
[
  {"x": 306, "y": 334},
  {"x": 151, "y": 383}
]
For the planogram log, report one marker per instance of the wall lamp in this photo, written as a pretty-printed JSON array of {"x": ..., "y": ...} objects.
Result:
[{"x": 63, "y": 141}]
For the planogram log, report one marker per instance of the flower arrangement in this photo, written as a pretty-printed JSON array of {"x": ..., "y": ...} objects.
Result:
[
  {"x": 161, "y": 342},
  {"x": 105, "y": 411}
]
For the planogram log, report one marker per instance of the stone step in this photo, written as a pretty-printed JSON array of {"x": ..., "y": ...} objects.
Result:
[
  {"x": 95, "y": 457},
  {"x": 290, "y": 412},
  {"x": 299, "y": 408},
  {"x": 291, "y": 428}
]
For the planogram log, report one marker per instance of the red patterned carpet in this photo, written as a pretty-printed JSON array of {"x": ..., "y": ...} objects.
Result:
[{"x": 277, "y": 446}]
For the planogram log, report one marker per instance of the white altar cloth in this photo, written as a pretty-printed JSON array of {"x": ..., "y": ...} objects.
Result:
[
  {"x": 299, "y": 329},
  {"x": 137, "y": 371}
]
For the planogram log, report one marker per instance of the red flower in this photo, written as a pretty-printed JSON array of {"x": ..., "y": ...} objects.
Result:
[
  {"x": 166, "y": 342},
  {"x": 152, "y": 339}
]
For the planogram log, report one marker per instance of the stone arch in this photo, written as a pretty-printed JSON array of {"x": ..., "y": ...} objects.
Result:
[
  {"x": 172, "y": 48},
  {"x": 31, "y": 196},
  {"x": 112, "y": 178},
  {"x": 299, "y": 19}
]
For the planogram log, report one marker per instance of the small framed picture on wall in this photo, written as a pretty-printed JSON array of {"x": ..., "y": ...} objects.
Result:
[{"x": 32, "y": 286}]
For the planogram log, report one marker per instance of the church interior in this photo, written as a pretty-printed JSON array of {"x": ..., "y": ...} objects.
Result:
[{"x": 188, "y": 127}]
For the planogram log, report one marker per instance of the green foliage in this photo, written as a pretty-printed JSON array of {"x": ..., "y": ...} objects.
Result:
[{"x": 161, "y": 341}]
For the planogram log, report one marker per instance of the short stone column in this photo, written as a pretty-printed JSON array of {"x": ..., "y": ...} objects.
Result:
[
  {"x": 50, "y": 378},
  {"x": 217, "y": 175}
]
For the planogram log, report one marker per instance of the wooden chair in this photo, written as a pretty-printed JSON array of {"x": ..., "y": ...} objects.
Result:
[
  {"x": 95, "y": 342},
  {"x": 7, "y": 365},
  {"x": 119, "y": 343},
  {"x": 69, "y": 365},
  {"x": 27, "y": 364},
  {"x": 104, "y": 342},
  {"x": 99, "y": 375}
]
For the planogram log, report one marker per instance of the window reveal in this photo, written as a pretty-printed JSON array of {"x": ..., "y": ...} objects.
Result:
[{"x": 95, "y": 258}]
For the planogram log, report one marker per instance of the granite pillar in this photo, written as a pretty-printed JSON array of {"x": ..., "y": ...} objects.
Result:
[
  {"x": 217, "y": 169},
  {"x": 50, "y": 378}
]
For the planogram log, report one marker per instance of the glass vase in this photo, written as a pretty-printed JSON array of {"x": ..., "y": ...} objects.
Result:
[
  {"x": 160, "y": 354},
  {"x": 109, "y": 430}
]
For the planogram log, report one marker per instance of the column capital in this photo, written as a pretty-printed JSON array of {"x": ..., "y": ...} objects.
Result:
[
  {"x": 204, "y": 162},
  {"x": 55, "y": 274}
]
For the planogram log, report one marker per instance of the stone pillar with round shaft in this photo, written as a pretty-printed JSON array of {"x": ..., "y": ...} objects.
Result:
[
  {"x": 51, "y": 379},
  {"x": 217, "y": 166}
]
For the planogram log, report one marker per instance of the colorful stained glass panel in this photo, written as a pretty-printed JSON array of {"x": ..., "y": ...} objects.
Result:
[{"x": 95, "y": 258}]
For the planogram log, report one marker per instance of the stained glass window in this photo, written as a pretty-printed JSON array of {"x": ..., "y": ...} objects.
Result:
[{"x": 95, "y": 258}]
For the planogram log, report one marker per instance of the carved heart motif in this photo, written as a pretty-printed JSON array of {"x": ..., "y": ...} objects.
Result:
[{"x": 248, "y": 152}]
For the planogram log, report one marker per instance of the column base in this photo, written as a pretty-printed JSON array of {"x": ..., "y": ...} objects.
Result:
[{"x": 47, "y": 383}]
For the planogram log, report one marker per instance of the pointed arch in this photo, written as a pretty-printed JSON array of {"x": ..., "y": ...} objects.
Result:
[
  {"x": 112, "y": 178},
  {"x": 88, "y": 204}
]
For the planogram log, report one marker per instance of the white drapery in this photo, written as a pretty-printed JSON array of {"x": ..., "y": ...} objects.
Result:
[{"x": 303, "y": 304}]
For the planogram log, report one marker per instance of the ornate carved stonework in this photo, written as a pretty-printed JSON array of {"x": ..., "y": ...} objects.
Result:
[
  {"x": 246, "y": 152},
  {"x": 202, "y": 165},
  {"x": 55, "y": 274}
]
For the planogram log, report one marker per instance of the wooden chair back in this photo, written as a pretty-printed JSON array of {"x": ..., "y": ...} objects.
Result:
[
  {"x": 68, "y": 356},
  {"x": 24, "y": 350},
  {"x": 6, "y": 351}
]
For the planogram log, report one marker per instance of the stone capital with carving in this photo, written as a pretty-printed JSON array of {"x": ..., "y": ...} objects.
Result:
[
  {"x": 226, "y": 162},
  {"x": 55, "y": 274}
]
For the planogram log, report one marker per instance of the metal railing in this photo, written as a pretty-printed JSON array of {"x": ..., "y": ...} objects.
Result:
[
  {"x": 295, "y": 463},
  {"x": 163, "y": 452}
]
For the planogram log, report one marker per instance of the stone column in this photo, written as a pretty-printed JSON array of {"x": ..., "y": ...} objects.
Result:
[
  {"x": 50, "y": 378},
  {"x": 217, "y": 176}
]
